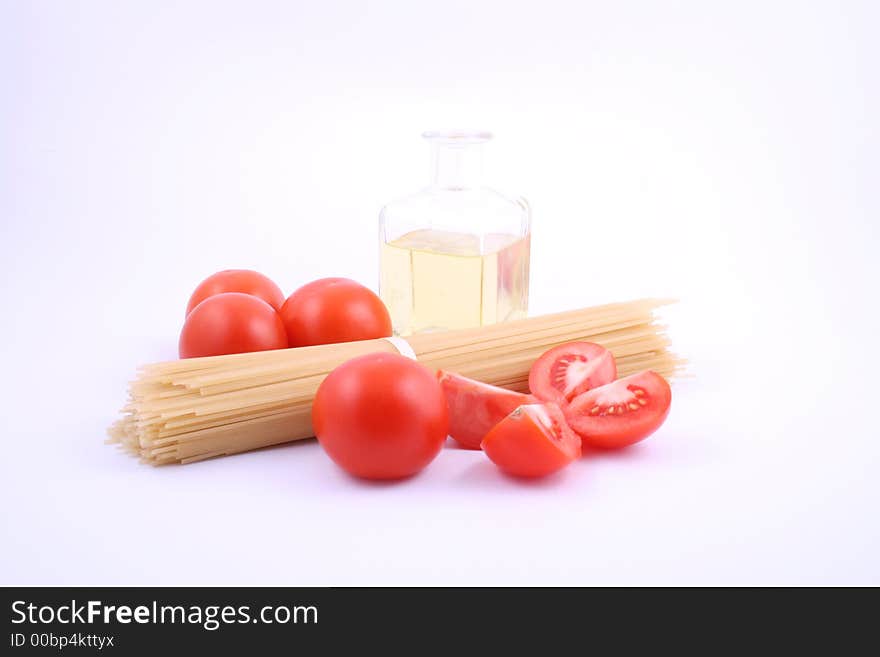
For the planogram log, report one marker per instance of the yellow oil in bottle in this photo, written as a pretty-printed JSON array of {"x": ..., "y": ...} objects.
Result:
[{"x": 436, "y": 280}]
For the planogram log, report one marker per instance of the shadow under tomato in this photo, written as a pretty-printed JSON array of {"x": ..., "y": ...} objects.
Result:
[
  {"x": 628, "y": 453},
  {"x": 378, "y": 483},
  {"x": 487, "y": 474},
  {"x": 452, "y": 443}
]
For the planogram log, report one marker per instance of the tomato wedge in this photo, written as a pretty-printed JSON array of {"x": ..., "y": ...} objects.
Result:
[
  {"x": 475, "y": 407},
  {"x": 621, "y": 413},
  {"x": 570, "y": 369},
  {"x": 533, "y": 441}
]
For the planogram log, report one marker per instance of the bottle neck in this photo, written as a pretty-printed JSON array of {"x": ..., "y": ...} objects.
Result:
[{"x": 456, "y": 166}]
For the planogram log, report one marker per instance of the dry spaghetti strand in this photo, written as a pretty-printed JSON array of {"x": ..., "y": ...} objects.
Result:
[{"x": 190, "y": 410}]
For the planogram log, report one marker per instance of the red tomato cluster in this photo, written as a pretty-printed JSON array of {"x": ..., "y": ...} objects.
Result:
[
  {"x": 238, "y": 310},
  {"x": 385, "y": 417}
]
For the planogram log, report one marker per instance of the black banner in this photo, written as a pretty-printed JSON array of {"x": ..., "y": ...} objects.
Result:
[{"x": 129, "y": 621}]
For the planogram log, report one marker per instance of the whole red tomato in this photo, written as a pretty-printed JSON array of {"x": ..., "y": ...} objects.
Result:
[
  {"x": 380, "y": 416},
  {"x": 231, "y": 323},
  {"x": 237, "y": 280},
  {"x": 334, "y": 310}
]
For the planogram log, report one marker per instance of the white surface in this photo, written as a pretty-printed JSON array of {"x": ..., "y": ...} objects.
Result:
[{"x": 726, "y": 155}]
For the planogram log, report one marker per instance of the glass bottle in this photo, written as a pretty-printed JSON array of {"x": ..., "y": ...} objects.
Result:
[{"x": 456, "y": 254}]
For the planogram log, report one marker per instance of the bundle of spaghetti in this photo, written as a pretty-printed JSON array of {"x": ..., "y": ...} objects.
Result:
[{"x": 193, "y": 409}]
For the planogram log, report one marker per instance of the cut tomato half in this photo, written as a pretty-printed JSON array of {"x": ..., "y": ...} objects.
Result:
[
  {"x": 621, "y": 413},
  {"x": 570, "y": 369},
  {"x": 475, "y": 407},
  {"x": 533, "y": 441}
]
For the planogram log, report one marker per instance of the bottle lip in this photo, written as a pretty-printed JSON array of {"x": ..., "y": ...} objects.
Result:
[{"x": 462, "y": 137}]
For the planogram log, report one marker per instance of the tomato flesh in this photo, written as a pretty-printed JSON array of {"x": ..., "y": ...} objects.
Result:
[
  {"x": 475, "y": 407},
  {"x": 621, "y": 413},
  {"x": 533, "y": 441},
  {"x": 570, "y": 369}
]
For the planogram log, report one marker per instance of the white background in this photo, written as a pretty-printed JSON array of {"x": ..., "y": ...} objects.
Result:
[{"x": 722, "y": 153}]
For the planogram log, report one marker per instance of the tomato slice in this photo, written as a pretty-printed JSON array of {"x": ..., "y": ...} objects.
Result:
[
  {"x": 533, "y": 441},
  {"x": 621, "y": 413},
  {"x": 570, "y": 369},
  {"x": 475, "y": 407}
]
